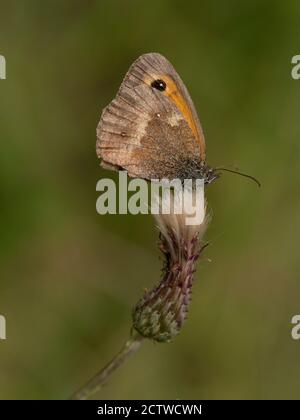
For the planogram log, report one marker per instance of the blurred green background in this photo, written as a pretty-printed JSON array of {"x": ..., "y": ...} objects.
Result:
[{"x": 69, "y": 277}]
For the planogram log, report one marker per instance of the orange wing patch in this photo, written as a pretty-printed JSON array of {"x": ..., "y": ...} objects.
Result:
[{"x": 174, "y": 94}]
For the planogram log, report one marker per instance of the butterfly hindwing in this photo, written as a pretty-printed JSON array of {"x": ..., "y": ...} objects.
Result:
[{"x": 146, "y": 131}]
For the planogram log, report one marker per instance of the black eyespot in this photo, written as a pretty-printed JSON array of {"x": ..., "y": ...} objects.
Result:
[{"x": 159, "y": 85}]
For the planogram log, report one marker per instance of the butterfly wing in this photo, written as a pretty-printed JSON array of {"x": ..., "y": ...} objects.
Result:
[{"x": 149, "y": 132}]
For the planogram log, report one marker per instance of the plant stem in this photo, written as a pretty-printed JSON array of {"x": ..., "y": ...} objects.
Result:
[{"x": 97, "y": 381}]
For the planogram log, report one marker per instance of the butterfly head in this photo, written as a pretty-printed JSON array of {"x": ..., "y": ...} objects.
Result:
[{"x": 210, "y": 174}]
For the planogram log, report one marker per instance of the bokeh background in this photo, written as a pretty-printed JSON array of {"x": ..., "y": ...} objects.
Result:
[{"x": 69, "y": 277}]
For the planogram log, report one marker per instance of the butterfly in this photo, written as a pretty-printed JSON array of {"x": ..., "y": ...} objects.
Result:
[{"x": 151, "y": 129}]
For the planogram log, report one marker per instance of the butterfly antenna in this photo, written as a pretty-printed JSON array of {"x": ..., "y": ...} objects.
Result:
[{"x": 240, "y": 173}]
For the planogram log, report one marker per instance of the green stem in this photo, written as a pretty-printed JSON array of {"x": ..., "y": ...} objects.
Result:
[{"x": 97, "y": 381}]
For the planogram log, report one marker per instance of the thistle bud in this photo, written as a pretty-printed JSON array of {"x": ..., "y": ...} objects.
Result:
[{"x": 161, "y": 312}]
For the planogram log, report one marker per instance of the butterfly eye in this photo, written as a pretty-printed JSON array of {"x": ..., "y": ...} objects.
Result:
[{"x": 159, "y": 85}]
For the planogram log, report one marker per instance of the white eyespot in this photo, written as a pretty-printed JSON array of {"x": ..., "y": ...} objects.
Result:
[{"x": 158, "y": 115}]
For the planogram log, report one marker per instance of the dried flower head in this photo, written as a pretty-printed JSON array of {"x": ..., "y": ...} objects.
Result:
[{"x": 161, "y": 312}]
